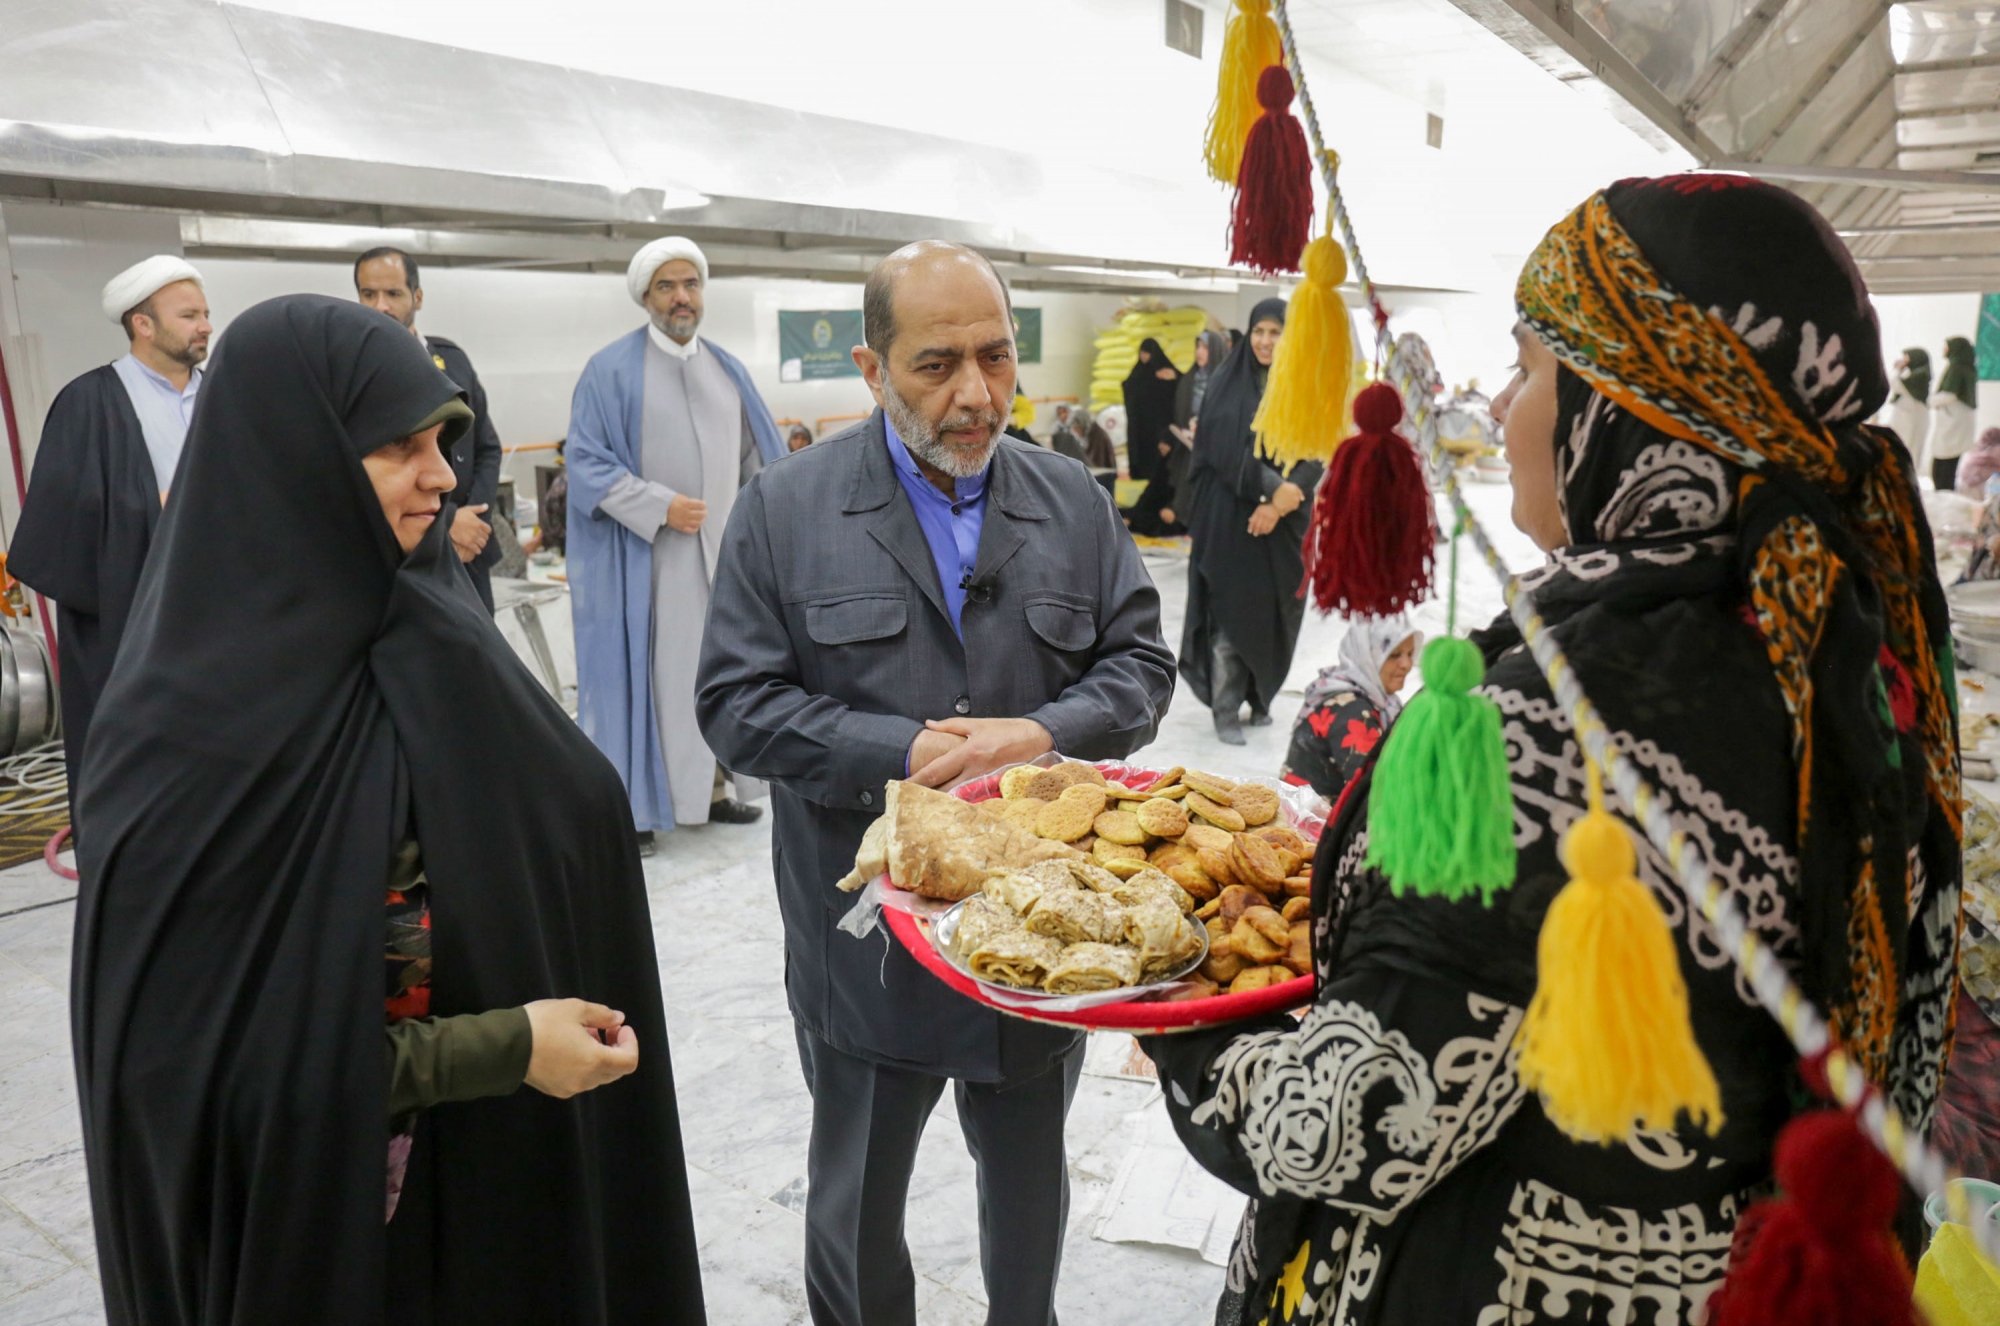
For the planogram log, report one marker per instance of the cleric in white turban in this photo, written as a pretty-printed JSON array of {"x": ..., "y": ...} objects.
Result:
[
  {"x": 664, "y": 428},
  {"x": 106, "y": 459}
]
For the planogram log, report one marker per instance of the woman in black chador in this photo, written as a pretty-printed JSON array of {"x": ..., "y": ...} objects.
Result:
[
  {"x": 1248, "y": 519},
  {"x": 297, "y": 731}
]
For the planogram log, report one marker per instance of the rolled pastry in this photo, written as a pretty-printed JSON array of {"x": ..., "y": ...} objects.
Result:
[
  {"x": 1164, "y": 937},
  {"x": 1015, "y": 957},
  {"x": 1084, "y": 968},
  {"x": 1078, "y": 917},
  {"x": 979, "y": 920},
  {"x": 1019, "y": 890},
  {"x": 1150, "y": 883}
]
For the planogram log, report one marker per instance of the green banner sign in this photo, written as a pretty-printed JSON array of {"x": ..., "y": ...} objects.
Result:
[
  {"x": 815, "y": 343},
  {"x": 1987, "y": 347},
  {"x": 1028, "y": 335}
]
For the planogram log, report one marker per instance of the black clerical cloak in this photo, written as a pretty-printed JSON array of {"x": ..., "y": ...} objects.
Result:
[
  {"x": 293, "y": 694},
  {"x": 87, "y": 520}
]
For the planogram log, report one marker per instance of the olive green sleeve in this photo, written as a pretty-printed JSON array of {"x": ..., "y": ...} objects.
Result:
[{"x": 436, "y": 1060}]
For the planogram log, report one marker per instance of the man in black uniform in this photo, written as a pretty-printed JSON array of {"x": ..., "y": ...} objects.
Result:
[{"x": 386, "y": 280}]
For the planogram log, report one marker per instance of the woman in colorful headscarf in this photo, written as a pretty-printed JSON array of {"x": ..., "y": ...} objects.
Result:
[
  {"x": 1741, "y": 577},
  {"x": 1248, "y": 521},
  {"x": 1909, "y": 410},
  {"x": 1955, "y": 409},
  {"x": 1350, "y": 704}
]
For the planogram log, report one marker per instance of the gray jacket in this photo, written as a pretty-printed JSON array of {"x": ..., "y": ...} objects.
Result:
[{"x": 827, "y": 646}]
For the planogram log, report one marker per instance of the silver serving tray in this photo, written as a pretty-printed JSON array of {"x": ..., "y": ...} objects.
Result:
[{"x": 944, "y": 928}]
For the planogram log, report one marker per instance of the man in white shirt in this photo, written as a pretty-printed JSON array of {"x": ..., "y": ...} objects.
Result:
[{"x": 103, "y": 468}]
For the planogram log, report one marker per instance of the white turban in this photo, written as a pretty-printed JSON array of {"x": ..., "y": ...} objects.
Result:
[
  {"x": 141, "y": 281},
  {"x": 639, "y": 276}
]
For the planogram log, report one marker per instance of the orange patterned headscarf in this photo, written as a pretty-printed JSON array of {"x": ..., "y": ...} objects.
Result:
[{"x": 1834, "y": 549}]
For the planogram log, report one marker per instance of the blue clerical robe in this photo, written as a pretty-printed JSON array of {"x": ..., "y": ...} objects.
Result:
[{"x": 610, "y": 567}]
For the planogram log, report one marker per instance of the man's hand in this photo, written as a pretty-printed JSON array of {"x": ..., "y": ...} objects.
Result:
[
  {"x": 569, "y": 1056},
  {"x": 931, "y": 745},
  {"x": 988, "y": 743},
  {"x": 687, "y": 514},
  {"x": 1167, "y": 515},
  {"x": 1263, "y": 520},
  {"x": 1166, "y": 448},
  {"x": 469, "y": 533},
  {"x": 1288, "y": 498}
]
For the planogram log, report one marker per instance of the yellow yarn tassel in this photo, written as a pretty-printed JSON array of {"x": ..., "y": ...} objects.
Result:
[
  {"x": 1024, "y": 411},
  {"x": 1304, "y": 414},
  {"x": 1607, "y": 1041},
  {"x": 1250, "y": 44}
]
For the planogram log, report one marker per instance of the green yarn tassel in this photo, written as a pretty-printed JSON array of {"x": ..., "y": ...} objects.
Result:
[{"x": 1441, "y": 807}]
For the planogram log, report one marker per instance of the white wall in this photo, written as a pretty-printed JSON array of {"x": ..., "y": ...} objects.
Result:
[{"x": 1926, "y": 320}]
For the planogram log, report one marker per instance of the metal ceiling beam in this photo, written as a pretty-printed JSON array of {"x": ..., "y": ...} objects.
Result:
[
  {"x": 1956, "y": 66},
  {"x": 1534, "y": 26},
  {"x": 1930, "y": 181},
  {"x": 1943, "y": 112},
  {"x": 1921, "y": 228},
  {"x": 1824, "y": 75},
  {"x": 1728, "y": 55}
]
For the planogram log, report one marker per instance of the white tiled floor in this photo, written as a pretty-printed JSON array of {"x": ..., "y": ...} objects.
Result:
[{"x": 744, "y": 1104}]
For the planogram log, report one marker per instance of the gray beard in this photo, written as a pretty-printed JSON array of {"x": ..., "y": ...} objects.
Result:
[
  {"x": 921, "y": 437},
  {"x": 666, "y": 328}
]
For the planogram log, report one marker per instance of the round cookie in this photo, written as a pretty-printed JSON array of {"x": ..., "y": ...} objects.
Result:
[
  {"x": 1022, "y": 811},
  {"x": 1219, "y": 790},
  {"x": 1014, "y": 783},
  {"x": 1106, "y": 850},
  {"x": 1087, "y": 795},
  {"x": 1255, "y": 803},
  {"x": 1076, "y": 771},
  {"x": 1217, "y": 866},
  {"x": 1121, "y": 826},
  {"x": 1064, "y": 820},
  {"x": 1199, "y": 836},
  {"x": 1162, "y": 818},
  {"x": 1167, "y": 854},
  {"x": 1044, "y": 785},
  {"x": 1283, "y": 835},
  {"x": 1222, "y": 817}
]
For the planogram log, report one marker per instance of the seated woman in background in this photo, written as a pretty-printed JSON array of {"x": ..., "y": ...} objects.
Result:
[
  {"x": 1741, "y": 577},
  {"x": 799, "y": 438},
  {"x": 298, "y": 724},
  {"x": 1351, "y": 704}
]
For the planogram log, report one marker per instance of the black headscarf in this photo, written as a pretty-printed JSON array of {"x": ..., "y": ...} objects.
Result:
[
  {"x": 1917, "y": 375},
  {"x": 1961, "y": 372},
  {"x": 1149, "y": 408},
  {"x": 1192, "y": 390},
  {"x": 1235, "y": 390},
  {"x": 294, "y": 697}
]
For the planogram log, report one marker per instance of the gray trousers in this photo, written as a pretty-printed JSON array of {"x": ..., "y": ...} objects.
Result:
[{"x": 867, "y": 1120}]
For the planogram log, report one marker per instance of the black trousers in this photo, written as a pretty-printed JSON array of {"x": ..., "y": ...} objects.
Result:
[
  {"x": 1944, "y": 473},
  {"x": 867, "y": 1120}
]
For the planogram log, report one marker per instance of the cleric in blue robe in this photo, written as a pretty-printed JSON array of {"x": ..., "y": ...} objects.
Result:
[{"x": 664, "y": 428}]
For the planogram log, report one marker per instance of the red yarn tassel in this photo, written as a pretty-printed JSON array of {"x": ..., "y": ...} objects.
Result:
[
  {"x": 1273, "y": 215},
  {"x": 1823, "y": 1253},
  {"x": 1373, "y": 538}
]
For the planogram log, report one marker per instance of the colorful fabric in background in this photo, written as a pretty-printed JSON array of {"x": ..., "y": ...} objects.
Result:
[
  {"x": 1967, "y": 1130},
  {"x": 1987, "y": 356},
  {"x": 1637, "y": 296}
]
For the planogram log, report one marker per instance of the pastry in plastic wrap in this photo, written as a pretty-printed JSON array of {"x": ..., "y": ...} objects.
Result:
[
  {"x": 1085, "y": 968},
  {"x": 1015, "y": 957},
  {"x": 1078, "y": 917},
  {"x": 935, "y": 845}
]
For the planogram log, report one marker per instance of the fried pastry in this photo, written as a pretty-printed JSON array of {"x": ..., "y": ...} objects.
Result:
[
  {"x": 1256, "y": 864},
  {"x": 1260, "y": 935},
  {"x": 1217, "y": 866},
  {"x": 1190, "y": 876},
  {"x": 1104, "y": 851},
  {"x": 1285, "y": 836},
  {"x": 1221, "y": 816},
  {"x": 1199, "y": 836},
  {"x": 1078, "y": 917},
  {"x": 1124, "y": 792},
  {"x": 1015, "y": 957},
  {"x": 1256, "y": 803},
  {"x": 1203, "y": 988},
  {"x": 1124, "y": 867},
  {"x": 1288, "y": 860},
  {"x": 1167, "y": 854},
  {"x": 1122, "y": 826},
  {"x": 1217, "y": 789},
  {"x": 1087, "y": 967},
  {"x": 1295, "y": 908},
  {"x": 1223, "y": 962},
  {"x": 1168, "y": 791},
  {"x": 1256, "y": 978},
  {"x": 1161, "y": 818},
  {"x": 1211, "y": 908},
  {"x": 1240, "y": 898},
  {"x": 1300, "y": 956},
  {"x": 1014, "y": 783},
  {"x": 1298, "y": 886}
]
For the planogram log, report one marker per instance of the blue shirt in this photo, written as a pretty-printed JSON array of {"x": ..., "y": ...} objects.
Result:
[
  {"x": 164, "y": 412},
  {"x": 950, "y": 527}
]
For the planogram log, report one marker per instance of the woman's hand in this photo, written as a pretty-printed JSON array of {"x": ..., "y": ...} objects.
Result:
[
  {"x": 569, "y": 1057},
  {"x": 1288, "y": 498},
  {"x": 1264, "y": 519}
]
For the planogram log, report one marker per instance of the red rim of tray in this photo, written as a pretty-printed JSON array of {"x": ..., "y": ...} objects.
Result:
[{"x": 1143, "y": 1017}]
